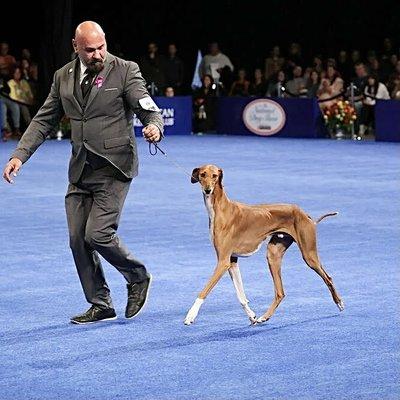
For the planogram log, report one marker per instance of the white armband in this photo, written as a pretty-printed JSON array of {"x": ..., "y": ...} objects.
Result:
[{"x": 148, "y": 104}]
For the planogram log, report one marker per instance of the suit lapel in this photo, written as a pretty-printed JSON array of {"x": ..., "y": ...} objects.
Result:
[
  {"x": 71, "y": 82},
  {"x": 102, "y": 76}
]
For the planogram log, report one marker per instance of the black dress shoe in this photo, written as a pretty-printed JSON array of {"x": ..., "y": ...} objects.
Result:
[
  {"x": 94, "y": 314},
  {"x": 137, "y": 296}
]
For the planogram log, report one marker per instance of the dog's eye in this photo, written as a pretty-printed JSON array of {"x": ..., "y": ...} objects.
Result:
[
  {"x": 203, "y": 175},
  {"x": 215, "y": 176}
]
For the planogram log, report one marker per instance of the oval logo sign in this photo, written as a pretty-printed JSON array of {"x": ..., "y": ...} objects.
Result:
[{"x": 264, "y": 117}]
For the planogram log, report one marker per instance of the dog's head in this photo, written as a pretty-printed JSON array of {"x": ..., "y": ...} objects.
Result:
[{"x": 208, "y": 176}]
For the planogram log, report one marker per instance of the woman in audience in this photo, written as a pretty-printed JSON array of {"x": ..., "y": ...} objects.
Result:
[
  {"x": 373, "y": 90},
  {"x": 241, "y": 86},
  {"x": 21, "y": 92},
  {"x": 204, "y": 105},
  {"x": 258, "y": 87},
  {"x": 313, "y": 84},
  {"x": 276, "y": 88}
]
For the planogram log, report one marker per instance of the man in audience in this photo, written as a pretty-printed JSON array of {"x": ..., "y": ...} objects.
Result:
[
  {"x": 7, "y": 61},
  {"x": 152, "y": 67},
  {"x": 295, "y": 85},
  {"x": 173, "y": 68},
  {"x": 217, "y": 65}
]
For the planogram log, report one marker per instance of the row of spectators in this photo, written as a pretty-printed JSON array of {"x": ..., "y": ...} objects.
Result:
[{"x": 18, "y": 88}]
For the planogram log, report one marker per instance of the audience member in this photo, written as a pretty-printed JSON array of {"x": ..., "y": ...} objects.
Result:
[
  {"x": 217, "y": 65},
  {"x": 169, "y": 91},
  {"x": 8, "y": 105},
  {"x": 21, "y": 92},
  {"x": 258, "y": 87},
  {"x": 7, "y": 61},
  {"x": 240, "y": 87},
  {"x": 273, "y": 63},
  {"x": 173, "y": 69},
  {"x": 204, "y": 104},
  {"x": 276, "y": 87},
  {"x": 297, "y": 84},
  {"x": 152, "y": 67},
  {"x": 373, "y": 90},
  {"x": 313, "y": 84},
  {"x": 294, "y": 57}
]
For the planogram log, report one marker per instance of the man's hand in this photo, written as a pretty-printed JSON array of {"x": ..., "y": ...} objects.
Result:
[
  {"x": 12, "y": 167},
  {"x": 151, "y": 133}
]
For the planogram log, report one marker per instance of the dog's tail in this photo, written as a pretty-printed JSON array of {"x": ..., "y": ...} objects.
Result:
[{"x": 332, "y": 214}]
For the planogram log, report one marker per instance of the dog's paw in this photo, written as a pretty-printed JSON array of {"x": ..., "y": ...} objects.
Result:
[
  {"x": 340, "y": 305},
  {"x": 261, "y": 320},
  {"x": 188, "y": 321}
]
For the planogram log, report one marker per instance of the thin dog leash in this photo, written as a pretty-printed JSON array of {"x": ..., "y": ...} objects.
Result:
[{"x": 169, "y": 159}]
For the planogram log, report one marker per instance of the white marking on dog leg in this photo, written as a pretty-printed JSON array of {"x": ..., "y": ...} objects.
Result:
[
  {"x": 234, "y": 272},
  {"x": 192, "y": 313},
  {"x": 211, "y": 215}
]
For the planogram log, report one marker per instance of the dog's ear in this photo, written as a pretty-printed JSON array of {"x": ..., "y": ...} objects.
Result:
[
  {"x": 195, "y": 175},
  {"x": 221, "y": 175}
]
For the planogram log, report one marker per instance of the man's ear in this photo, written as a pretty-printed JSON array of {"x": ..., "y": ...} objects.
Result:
[
  {"x": 221, "y": 175},
  {"x": 74, "y": 45},
  {"x": 195, "y": 175}
]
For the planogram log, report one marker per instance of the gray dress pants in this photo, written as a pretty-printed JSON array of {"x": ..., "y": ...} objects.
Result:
[{"x": 93, "y": 207}]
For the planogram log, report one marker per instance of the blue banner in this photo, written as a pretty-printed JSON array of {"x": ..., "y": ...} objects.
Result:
[
  {"x": 270, "y": 116},
  {"x": 387, "y": 120},
  {"x": 176, "y": 113}
]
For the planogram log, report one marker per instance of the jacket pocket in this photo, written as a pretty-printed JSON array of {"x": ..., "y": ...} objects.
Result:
[{"x": 116, "y": 142}]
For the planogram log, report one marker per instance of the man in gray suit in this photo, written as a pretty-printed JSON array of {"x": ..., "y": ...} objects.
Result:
[{"x": 99, "y": 93}]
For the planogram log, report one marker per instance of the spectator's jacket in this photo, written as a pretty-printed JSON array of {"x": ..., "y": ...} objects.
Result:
[{"x": 104, "y": 125}]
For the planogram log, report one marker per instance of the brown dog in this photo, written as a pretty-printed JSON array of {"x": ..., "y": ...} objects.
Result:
[{"x": 238, "y": 230}]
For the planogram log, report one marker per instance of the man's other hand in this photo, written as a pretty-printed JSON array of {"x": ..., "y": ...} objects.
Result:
[{"x": 11, "y": 168}]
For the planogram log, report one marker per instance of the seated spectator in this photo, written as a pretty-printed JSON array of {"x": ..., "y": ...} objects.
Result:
[
  {"x": 276, "y": 87},
  {"x": 21, "y": 92},
  {"x": 395, "y": 89},
  {"x": 327, "y": 90},
  {"x": 298, "y": 82},
  {"x": 173, "y": 68},
  {"x": 217, "y": 65},
  {"x": 359, "y": 83},
  {"x": 169, "y": 91},
  {"x": 240, "y": 87},
  {"x": 317, "y": 64},
  {"x": 204, "y": 105},
  {"x": 258, "y": 87},
  {"x": 373, "y": 90},
  {"x": 355, "y": 57},
  {"x": 7, "y": 61},
  {"x": 313, "y": 84},
  {"x": 8, "y": 105},
  {"x": 393, "y": 79}
]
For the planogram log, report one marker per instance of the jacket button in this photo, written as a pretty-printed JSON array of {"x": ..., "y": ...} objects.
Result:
[
  {"x": 85, "y": 140},
  {"x": 84, "y": 119}
]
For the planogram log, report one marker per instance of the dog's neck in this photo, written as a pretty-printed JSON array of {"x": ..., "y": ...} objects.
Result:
[{"x": 216, "y": 200}]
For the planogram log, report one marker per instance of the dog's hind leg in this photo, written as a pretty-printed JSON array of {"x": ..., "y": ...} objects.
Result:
[
  {"x": 308, "y": 247},
  {"x": 277, "y": 247},
  {"x": 222, "y": 266},
  {"x": 236, "y": 277}
]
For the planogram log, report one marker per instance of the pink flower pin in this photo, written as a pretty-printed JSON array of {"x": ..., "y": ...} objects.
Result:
[{"x": 99, "y": 82}]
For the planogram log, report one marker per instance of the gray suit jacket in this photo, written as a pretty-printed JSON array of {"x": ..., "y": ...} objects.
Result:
[{"x": 104, "y": 126}]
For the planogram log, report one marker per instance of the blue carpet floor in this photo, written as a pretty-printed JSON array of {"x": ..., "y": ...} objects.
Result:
[{"x": 308, "y": 350}]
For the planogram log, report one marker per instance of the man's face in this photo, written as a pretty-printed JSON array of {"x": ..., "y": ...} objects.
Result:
[
  {"x": 152, "y": 48},
  {"x": 171, "y": 49},
  {"x": 92, "y": 51},
  {"x": 214, "y": 49},
  {"x": 360, "y": 71},
  {"x": 3, "y": 49},
  {"x": 297, "y": 72}
]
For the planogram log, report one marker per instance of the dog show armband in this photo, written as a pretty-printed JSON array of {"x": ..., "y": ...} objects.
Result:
[{"x": 148, "y": 104}]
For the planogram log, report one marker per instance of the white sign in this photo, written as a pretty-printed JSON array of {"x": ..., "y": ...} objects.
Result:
[{"x": 264, "y": 117}]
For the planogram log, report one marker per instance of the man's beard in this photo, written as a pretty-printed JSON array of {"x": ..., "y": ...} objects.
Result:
[{"x": 95, "y": 66}]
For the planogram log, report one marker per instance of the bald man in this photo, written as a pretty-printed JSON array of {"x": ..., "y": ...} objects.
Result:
[{"x": 99, "y": 93}]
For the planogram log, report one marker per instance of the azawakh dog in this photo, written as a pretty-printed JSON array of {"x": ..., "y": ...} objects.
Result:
[{"x": 238, "y": 230}]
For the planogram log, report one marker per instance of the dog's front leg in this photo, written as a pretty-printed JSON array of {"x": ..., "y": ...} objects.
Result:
[
  {"x": 220, "y": 269},
  {"x": 236, "y": 277}
]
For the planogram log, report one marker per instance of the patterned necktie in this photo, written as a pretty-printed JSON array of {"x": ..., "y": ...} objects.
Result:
[{"x": 86, "y": 82}]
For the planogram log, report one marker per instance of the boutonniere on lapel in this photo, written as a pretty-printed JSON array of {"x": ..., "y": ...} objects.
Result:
[{"x": 99, "y": 82}]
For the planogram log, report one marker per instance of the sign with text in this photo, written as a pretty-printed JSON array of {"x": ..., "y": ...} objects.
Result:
[{"x": 176, "y": 113}]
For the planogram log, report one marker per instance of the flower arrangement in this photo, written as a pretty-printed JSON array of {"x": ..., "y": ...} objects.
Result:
[{"x": 340, "y": 116}]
